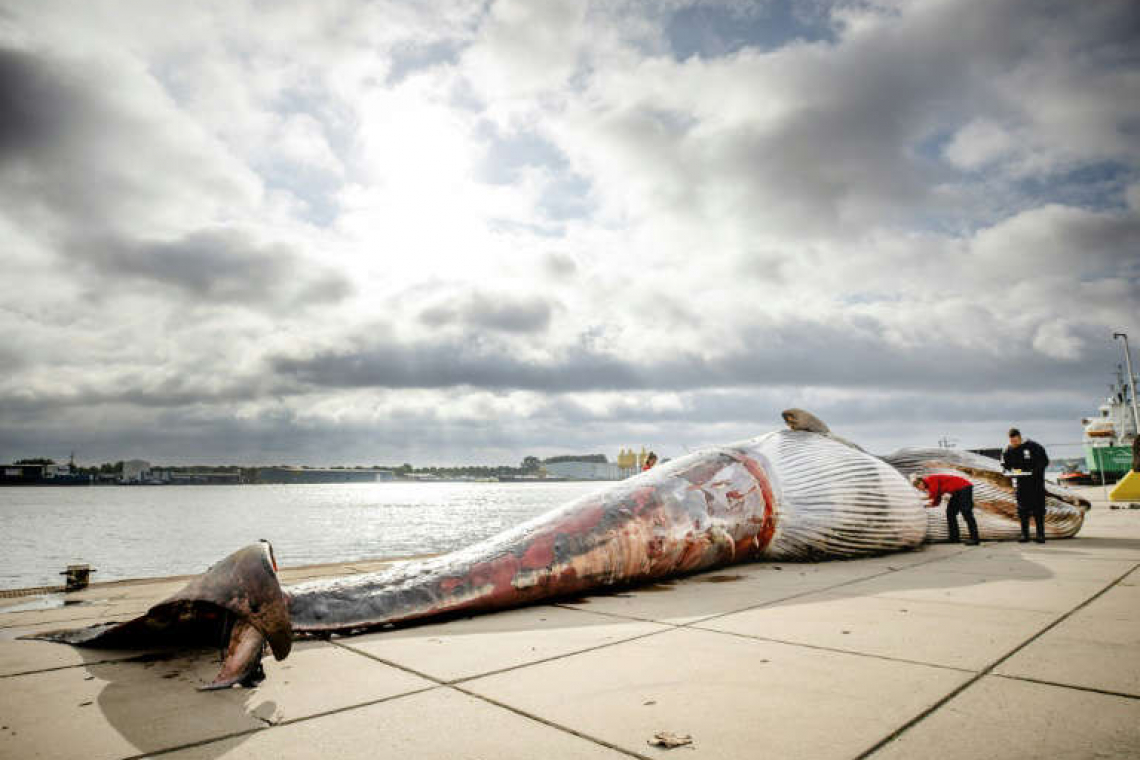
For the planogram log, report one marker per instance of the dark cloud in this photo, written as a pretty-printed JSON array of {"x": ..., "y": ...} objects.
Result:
[
  {"x": 42, "y": 161},
  {"x": 559, "y": 265},
  {"x": 34, "y": 105},
  {"x": 12, "y": 358},
  {"x": 272, "y": 435},
  {"x": 438, "y": 316},
  {"x": 803, "y": 354},
  {"x": 761, "y": 407},
  {"x": 846, "y": 143},
  {"x": 125, "y": 390},
  {"x": 216, "y": 266},
  {"x": 455, "y": 362},
  {"x": 94, "y": 144},
  {"x": 523, "y": 315},
  {"x": 280, "y": 434},
  {"x": 497, "y": 313}
]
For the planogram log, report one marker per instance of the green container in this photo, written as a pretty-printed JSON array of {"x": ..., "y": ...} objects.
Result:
[{"x": 1116, "y": 459}]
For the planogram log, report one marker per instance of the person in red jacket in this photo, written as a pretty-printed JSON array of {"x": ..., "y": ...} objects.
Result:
[{"x": 961, "y": 501}]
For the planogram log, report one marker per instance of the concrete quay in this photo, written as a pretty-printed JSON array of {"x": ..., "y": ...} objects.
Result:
[{"x": 1004, "y": 650}]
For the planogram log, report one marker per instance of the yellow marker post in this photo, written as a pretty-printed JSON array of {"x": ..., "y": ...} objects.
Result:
[{"x": 1127, "y": 489}]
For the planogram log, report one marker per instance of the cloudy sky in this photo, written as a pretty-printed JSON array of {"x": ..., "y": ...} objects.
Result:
[{"x": 464, "y": 232}]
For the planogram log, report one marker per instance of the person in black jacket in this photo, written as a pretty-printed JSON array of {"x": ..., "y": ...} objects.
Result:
[{"x": 1029, "y": 458}]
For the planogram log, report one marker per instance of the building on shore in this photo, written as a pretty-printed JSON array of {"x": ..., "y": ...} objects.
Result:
[
  {"x": 631, "y": 462},
  {"x": 576, "y": 470},
  {"x": 42, "y": 475},
  {"x": 322, "y": 475},
  {"x": 135, "y": 471},
  {"x": 194, "y": 478}
]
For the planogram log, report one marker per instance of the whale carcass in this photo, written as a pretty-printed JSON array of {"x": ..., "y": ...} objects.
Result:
[
  {"x": 784, "y": 495},
  {"x": 995, "y": 504}
]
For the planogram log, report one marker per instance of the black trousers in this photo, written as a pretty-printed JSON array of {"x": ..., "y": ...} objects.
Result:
[
  {"x": 1031, "y": 503},
  {"x": 961, "y": 502}
]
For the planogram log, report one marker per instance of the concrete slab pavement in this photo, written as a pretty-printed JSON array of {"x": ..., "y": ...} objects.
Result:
[
  {"x": 1045, "y": 594},
  {"x": 121, "y": 709},
  {"x": 741, "y": 587},
  {"x": 441, "y": 723},
  {"x": 1096, "y": 648},
  {"x": 935, "y": 633},
  {"x": 490, "y": 643},
  {"x": 1005, "y": 650},
  {"x": 1015, "y": 720},
  {"x": 737, "y": 697}
]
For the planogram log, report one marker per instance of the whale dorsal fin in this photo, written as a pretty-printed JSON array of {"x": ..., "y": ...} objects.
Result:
[{"x": 799, "y": 419}]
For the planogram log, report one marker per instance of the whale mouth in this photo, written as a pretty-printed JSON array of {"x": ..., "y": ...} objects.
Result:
[
  {"x": 241, "y": 658},
  {"x": 237, "y": 604}
]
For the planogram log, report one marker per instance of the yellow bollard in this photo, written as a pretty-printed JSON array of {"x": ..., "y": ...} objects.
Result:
[{"x": 1127, "y": 489}]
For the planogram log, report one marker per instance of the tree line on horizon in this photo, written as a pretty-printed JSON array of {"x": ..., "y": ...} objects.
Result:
[{"x": 530, "y": 465}]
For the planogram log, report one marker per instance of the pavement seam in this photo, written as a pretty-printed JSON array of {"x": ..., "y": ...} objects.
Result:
[
  {"x": 455, "y": 685},
  {"x": 389, "y": 663},
  {"x": 1076, "y": 687},
  {"x": 269, "y": 725},
  {"x": 986, "y": 671},
  {"x": 821, "y": 590},
  {"x": 1003, "y": 608},
  {"x": 837, "y": 650},
  {"x": 95, "y": 619},
  {"x": 508, "y": 669},
  {"x": 851, "y": 582},
  {"x": 550, "y": 723},
  {"x": 554, "y": 658},
  {"x": 64, "y": 667},
  {"x": 132, "y": 657},
  {"x": 667, "y": 627}
]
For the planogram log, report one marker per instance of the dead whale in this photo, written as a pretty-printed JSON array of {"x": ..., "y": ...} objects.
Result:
[
  {"x": 786, "y": 495},
  {"x": 995, "y": 505}
]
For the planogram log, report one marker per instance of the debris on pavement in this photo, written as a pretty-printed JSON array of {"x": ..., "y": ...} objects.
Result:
[{"x": 669, "y": 740}]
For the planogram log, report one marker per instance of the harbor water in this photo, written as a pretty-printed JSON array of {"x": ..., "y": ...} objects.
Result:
[{"x": 152, "y": 531}]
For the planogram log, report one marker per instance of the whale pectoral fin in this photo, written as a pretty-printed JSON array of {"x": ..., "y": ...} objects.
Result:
[{"x": 231, "y": 603}]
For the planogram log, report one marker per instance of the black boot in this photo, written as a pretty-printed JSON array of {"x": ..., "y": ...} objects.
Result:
[
  {"x": 1024, "y": 529},
  {"x": 952, "y": 527},
  {"x": 972, "y": 526},
  {"x": 1039, "y": 522}
]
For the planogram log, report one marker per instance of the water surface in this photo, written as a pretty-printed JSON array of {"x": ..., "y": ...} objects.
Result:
[{"x": 149, "y": 531}]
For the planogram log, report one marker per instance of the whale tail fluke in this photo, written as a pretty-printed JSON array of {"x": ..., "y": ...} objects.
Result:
[{"x": 237, "y": 603}]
